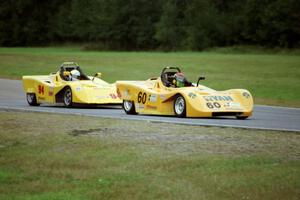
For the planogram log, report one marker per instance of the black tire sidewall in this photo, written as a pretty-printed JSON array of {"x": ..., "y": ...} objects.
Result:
[
  {"x": 65, "y": 92},
  {"x": 34, "y": 100},
  {"x": 241, "y": 117},
  {"x": 183, "y": 114},
  {"x": 131, "y": 111}
]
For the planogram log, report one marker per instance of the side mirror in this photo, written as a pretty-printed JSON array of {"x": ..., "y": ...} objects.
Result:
[
  {"x": 199, "y": 79},
  {"x": 98, "y": 75}
]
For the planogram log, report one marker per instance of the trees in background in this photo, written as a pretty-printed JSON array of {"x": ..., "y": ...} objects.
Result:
[{"x": 151, "y": 24}]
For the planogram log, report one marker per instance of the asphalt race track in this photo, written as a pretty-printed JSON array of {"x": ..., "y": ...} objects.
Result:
[{"x": 12, "y": 97}]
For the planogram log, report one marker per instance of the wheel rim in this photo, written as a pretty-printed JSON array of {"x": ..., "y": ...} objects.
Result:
[
  {"x": 127, "y": 105},
  {"x": 179, "y": 105},
  {"x": 30, "y": 98},
  {"x": 68, "y": 97}
]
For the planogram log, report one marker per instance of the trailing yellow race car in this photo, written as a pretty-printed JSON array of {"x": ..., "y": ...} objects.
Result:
[
  {"x": 172, "y": 94},
  {"x": 69, "y": 86}
]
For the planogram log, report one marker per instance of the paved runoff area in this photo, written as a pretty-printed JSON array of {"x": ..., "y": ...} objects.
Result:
[{"x": 12, "y": 97}]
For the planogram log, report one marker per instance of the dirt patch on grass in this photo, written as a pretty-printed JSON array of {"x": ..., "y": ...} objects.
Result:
[
  {"x": 189, "y": 140},
  {"x": 78, "y": 132}
]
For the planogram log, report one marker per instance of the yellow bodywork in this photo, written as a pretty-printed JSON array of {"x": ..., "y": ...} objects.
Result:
[
  {"x": 49, "y": 89},
  {"x": 152, "y": 97}
]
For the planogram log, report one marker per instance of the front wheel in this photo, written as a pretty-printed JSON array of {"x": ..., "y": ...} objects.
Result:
[
  {"x": 31, "y": 99},
  {"x": 128, "y": 107},
  {"x": 68, "y": 97},
  {"x": 179, "y": 106}
]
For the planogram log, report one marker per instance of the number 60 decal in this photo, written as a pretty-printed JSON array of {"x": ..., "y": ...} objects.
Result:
[
  {"x": 213, "y": 105},
  {"x": 142, "y": 97}
]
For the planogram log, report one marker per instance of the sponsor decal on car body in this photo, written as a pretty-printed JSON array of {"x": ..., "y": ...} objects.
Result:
[
  {"x": 218, "y": 98},
  {"x": 51, "y": 89},
  {"x": 151, "y": 107},
  {"x": 152, "y": 98},
  {"x": 192, "y": 95}
]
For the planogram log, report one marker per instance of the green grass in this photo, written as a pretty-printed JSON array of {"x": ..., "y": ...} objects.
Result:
[
  {"x": 273, "y": 78},
  {"x": 94, "y": 158}
]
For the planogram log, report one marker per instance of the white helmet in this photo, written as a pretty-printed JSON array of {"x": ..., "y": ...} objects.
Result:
[{"x": 75, "y": 74}]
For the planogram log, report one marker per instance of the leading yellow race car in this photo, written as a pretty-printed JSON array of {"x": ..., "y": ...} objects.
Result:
[
  {"x": 69, "y": 86},
  {"x": 172, "y": 94}
]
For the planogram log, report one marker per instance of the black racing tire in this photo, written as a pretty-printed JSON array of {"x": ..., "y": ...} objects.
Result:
[
  {"x": 179, "y": 106},
  {"x": 129, "y": 107},
  {"x": 241, "y": 117},
  {"x": 67, "y": 97},
  {"x": 31, "y": 99}
]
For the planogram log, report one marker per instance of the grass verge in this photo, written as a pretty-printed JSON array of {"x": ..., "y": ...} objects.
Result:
[
  {"x": 273, "y": 78},
  {"x": 48, "y": 156}
]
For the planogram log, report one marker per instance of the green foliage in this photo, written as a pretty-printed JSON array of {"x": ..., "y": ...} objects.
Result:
[
  {"x": 170, "y": 30},
  {"x": 202, "y": 29},
  {"x": 144, "y": 24}
]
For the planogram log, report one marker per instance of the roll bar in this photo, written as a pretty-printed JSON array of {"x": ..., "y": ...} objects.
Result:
[{"x": 166, "y": 68}]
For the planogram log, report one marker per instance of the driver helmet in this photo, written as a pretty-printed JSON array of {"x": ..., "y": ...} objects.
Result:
[
  {"x": 180, "y": 79},
  {"x": 75, "y": 74}
]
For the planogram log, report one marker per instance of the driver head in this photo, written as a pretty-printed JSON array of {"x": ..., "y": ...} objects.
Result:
[
  {"x": 180, "y": 79},
  {"x": 75, "y": 74}
]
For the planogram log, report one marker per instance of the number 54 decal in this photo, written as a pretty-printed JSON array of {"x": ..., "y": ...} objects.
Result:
[
  {"x": 41, "y": 89},
  {"x": 142, "y": 97}
]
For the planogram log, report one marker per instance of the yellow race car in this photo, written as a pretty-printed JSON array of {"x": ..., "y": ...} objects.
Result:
[
  {"x": 69, "y": 86},
  {"x": 172, "y": 94}
]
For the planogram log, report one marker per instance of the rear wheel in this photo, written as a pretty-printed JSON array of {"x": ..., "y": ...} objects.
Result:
[
  {"x": 31, "y": 99},
  {"x": 180, "y": 106},
  {"x": 67, "y": 99},
  {"x": 128, "y": 107}
]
